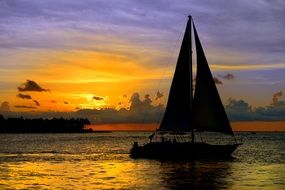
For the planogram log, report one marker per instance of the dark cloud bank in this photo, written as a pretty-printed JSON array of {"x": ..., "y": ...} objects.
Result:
[
  {"x": 239, "y": 110},
  {"x": 143, "y": 111},
  {"x": 140, "y": 111}
]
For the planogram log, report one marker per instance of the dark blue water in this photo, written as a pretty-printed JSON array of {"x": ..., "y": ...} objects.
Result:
[{"x": 101, "y": 161}]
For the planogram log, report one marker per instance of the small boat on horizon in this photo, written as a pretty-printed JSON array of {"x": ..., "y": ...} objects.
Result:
[{"x": 188, "y": 112}]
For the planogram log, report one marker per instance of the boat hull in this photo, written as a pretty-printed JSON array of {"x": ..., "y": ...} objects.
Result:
[{"x": 182, "y": 151}]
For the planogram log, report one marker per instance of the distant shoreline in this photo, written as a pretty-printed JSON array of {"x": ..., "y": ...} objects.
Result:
[{"x": 40, "y": 125}]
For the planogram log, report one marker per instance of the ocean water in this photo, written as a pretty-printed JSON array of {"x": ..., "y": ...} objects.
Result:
[{"x": 101, "y": 161}]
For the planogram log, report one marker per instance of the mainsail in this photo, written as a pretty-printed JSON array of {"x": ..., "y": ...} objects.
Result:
[
  {"x": 177, "y": 115},
  {"x": 205, "y": 111}
]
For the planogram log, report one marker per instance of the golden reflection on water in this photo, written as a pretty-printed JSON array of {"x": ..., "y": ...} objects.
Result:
[
  {"x": 68, "y": 175},
  {"x": 101, "y": 161},
  {"x": 139, "y": 174},
  {"x": 255, "y": 176}
]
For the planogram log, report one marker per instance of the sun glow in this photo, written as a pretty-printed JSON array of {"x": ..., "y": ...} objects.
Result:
[{"x": 74, "y": 77}]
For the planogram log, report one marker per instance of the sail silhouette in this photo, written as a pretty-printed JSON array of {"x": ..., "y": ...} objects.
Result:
[
  {"x": 187, "y": 113},
  {"x": 177, "y": 115},
  {"x": 208, "y": 111},
  {"x": 205, "y": 111}
]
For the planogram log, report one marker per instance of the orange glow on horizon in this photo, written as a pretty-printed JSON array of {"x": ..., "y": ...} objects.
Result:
[
  {"x": 262, "y": 126},
  {"x": 274, "y": 126}
]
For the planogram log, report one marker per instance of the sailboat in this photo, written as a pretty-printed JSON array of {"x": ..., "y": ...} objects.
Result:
[{"x": 188, "y": 112}]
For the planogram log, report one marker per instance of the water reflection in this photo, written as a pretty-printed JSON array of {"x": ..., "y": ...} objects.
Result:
[
  {"x": 196, "y": 174},
  {"x": 101, "y": 161}
]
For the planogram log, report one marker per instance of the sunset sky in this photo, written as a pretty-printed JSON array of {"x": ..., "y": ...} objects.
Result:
[{"x": 69, "y": 55}]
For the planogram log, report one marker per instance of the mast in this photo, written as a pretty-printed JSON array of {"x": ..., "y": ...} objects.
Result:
[{"x": 191, "y": 74}]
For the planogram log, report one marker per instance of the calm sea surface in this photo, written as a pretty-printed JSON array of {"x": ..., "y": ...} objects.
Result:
[{"x": 101, "y": 161}]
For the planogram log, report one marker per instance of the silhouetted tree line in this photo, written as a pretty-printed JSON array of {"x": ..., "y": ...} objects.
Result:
[{"x": 40, "y": 125}]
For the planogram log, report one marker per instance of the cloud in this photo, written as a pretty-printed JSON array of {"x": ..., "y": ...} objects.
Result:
[
  {"x": 147, "y": 100},
  {"x": 36, "y": 102},
  {"x": 123, "y": 102},
  {"x": 275, "y": 97},
  {"x": 23, "y": 106},
  {"x": 53, "y": 101},
  {"x": 98, "y": 98},
  {"x": 227, "y": 76},
  {"x": 239, "y": 110},
  {"x": 238, "y": 105},
  {"x": 137, "y": 103},
  {"x": 30, "y": 85},
  {"x": 5, "y": 107},
  {"x": 158, "y": 95},
  {"x": 135, "y": 100},
  {"x": 140, "y": 111},
  {"x": 24, "y": 96},
  {"x": 272, "y": 112},
  {"x": 143, "y": 112},
  {"x": 217, "y": 81}
]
